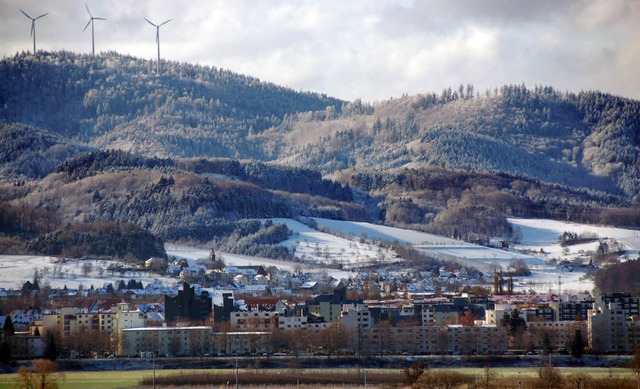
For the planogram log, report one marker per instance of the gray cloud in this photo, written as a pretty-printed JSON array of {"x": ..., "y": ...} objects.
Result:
[{"x": 373, "y": 49}]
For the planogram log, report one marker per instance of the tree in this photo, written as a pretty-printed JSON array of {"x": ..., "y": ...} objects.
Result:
[
  {"x": 513, "y": 322},
  {"x": 577, "y": 344},
  {"x": 443, "y": 379},
  {"x": 550, "y": 376},
  {"x": 43, "y": 374},
  {"x": 486, "y": 377},
  {"x": 8, "y": 328},
  {"x": 413, "y": 373},
  {"x": 467, "y": 319},
  {"x": 51, "y": 350},
  {"x": 87, "y": 268}
]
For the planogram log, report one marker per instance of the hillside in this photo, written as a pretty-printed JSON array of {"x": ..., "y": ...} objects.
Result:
[
  {"x": 586, "y": 140},
  {"x": 117, "y": 101},
  {"x": 203, "y": 154}
]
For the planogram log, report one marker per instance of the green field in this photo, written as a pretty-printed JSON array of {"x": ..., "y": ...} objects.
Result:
[{"x": 128, "y": 379}]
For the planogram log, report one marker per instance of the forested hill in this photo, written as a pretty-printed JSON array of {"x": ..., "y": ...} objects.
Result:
[
  {"x": 202, "y": 154},
  {"x": 117, "y": 101},
  {"x": 588, "y": 140}
]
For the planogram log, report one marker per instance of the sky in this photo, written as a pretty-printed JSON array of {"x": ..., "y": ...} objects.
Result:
[{"x": 368, "y": 49}]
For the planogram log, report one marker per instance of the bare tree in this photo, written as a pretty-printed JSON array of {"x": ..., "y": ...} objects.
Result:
[
  {"x": 486, "y": 378},
  {"x": 550, "y": 376},
  {"x": 42, "y": 374}
]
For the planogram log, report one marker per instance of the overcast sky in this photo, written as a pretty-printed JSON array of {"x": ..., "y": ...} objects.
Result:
[{"x": 369, "y": 49}]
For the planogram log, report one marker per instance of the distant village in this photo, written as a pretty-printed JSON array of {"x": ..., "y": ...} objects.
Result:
[{"x": 221, "y": 310}]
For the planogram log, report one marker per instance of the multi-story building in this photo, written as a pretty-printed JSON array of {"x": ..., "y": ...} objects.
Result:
[
  {"x": 164, "y": 341},
  {"x": 629, "y": 304},
  {"x": 450, "y": 339},
  {"x": 254, "y": 321},
  {"x": 292, "y": 322},
  {"x": 63, "y": 321},
  {"x": 327, "y": 306},
  {"x": 188, "y": 305},
  {"x": 355, "y": 316},
  {"x": 484, "y": 339},
  {"x": 555, "y": 335},
  {"x": 612, "y": 330}
]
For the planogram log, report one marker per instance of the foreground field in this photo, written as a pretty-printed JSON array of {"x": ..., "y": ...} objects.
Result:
[{"x": 327, "y": 378}]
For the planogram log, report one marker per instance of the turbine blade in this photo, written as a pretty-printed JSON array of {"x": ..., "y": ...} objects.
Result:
[
  {"x": 157, "y": 34},
  {"x": 33, "y": 27},
  {"x": 99, "y": 19},
  {"x": 87, "y": 7},
  {"x": 41, "y": 16},
  {"x": 88, "y": 23},
  {"x": 25, "y": 14},
  {"x": 149, "y": 21},
  {"x": 165, "y": 22}
]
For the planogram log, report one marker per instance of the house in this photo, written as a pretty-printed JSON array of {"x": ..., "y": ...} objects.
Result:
[
  {"x": 155, "y": 263},
  {"x": 310, "y": 286},
  {"x": 241, "y": 280},
  {"x": 260, "y": 280}
]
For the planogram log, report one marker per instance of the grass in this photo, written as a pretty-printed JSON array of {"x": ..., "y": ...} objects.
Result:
[{"x": 287, "y": 377}]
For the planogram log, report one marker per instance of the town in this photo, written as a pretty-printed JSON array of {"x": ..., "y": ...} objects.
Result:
[{"x": 221, "y": 310}]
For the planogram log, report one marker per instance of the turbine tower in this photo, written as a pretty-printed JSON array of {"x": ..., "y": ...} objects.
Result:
[
  {"x": 157, "y": 26},
  {"x": 91, "y": 19},
  {"x": 33, "y": 28}
]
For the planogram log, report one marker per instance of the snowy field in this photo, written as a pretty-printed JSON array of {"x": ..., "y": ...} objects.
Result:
[
  {"x": 15, "y": 270},
  {"x": 543, "y": 234},
  {"x": 341, "y": 248},
  {"x": 192, "y": 254},
  {"x": 349, "y": 245}
]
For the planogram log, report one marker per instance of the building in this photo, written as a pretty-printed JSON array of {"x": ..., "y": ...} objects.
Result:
[
  {"x": 555, "y": 335},
  {"x": 328, "y": 307},
  {"x": 629, "y": 304},
  {"x": 164, "y": 341},
  {"x": 612, "y": 330},
  {"x": 254, "y": 321},
  {"x": 187, "y": 305},
  {"x": 355, "y": 316},
  {"x": 240, "y": 343},
  {"x": 484, "y": 339},
  {"x": 292, "y": 322}
]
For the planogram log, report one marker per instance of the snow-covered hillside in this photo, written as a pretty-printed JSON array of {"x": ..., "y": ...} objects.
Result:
[
  {"x": 349, "y": 244},
  {"x": 543, "y": 234},
  {"x": 15, "y": 270}
]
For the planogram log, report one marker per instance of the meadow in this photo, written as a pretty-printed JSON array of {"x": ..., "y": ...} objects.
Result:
[{"x": 327, "y": 378}]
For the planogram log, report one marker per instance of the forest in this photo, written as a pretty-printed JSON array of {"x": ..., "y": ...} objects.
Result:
[{"x": 204, "y": 154}]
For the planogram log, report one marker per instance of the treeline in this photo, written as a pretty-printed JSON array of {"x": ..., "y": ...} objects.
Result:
[
  {"x": 283, "y": 178},
  {"x": 263, "y": 242},
  {"x": 620, "y": 277},
  {"x": 106, "y": 239},
  {"x": 92, "y": 163}
]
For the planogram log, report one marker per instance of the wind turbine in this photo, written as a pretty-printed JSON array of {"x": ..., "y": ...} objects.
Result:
[
  {"x": 33, "y": 28},
  {"x": 91, "y": 19},
  {"x": 158, "y": 39}
]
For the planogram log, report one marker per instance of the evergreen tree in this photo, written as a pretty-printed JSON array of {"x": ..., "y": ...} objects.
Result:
[
  {"x": 8, "y": 328},
  {"x": 577, "y": 344},
  {"x": 51, "y": 351}
]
